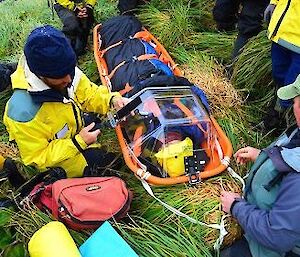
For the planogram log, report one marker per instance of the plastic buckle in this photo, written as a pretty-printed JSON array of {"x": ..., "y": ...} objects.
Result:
[
  {"x": 134, "y": 58},
  {"x": 113, "y": 119},
  {"x": 194, "y": 165},
  {"x": 192, "y": 170}
]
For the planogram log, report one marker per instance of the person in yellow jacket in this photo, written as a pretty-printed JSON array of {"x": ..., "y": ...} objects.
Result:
[
  {"x": 283, "y": 30},
  {"x": 77, "y": 18},
  {"x": 44, "y": 116}
]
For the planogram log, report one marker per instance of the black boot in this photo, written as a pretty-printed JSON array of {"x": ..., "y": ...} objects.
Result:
[{"x": 274, "y": 120}]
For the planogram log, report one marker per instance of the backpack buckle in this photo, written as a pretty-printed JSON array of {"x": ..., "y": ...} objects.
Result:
[{"x": 193, "y": 165}]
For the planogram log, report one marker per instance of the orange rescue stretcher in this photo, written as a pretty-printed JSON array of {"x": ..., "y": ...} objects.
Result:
[{"x": 148, "y": 128}]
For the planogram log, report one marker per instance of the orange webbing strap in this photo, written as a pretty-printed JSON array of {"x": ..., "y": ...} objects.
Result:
[
  {"x": 114, "y": 70},
  {"x": 142, "y": 57},
  {"x": 188, "y": 113},
  {"x": 137, "y": 139},
  {"x": 110, "y": 47},
  {"x": 126, "y": 89},
  {"x": 142, "y": 35}
]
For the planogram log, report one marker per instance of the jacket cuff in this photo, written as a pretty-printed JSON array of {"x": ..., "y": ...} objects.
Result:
[
  {"x": 115, "y": 94},
  {"x": 234, "y": 204},
  {"x": 79, "y": 143}
]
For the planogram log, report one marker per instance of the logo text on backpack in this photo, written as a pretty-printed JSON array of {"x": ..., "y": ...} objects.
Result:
[{"x": 92, "y": 188}]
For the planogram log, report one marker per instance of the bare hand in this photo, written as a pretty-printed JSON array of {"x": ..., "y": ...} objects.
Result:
[
  {"x": 119, "y": 102},
  {"x": 246, "y": 154},
  {"x": 89, "y": 137},
  {"x": 227, "y": 198}
]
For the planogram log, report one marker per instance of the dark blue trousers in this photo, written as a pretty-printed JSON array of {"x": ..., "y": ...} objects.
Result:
[
  {"x": 238, "y": 248},
  {"x": 285, "y": 67}
]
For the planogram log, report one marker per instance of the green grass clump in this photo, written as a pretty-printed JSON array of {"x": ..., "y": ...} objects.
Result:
[
  {"x": 222, "y": 42},
  {"x": 17, "y": 19},
  {"x": 105, "y": 9},
  {"x": 150, "y": 240},
  {"x": 253, "y": 69},
  {"x": 171, "y": 26}
]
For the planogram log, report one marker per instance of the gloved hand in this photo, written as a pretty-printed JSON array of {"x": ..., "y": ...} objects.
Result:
[
  {"x": 80, "y": 12},
  {"x": 268, "y": 12}
]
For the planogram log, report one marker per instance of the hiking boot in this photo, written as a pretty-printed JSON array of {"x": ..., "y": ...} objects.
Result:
[{"x": 273, "y": 123}]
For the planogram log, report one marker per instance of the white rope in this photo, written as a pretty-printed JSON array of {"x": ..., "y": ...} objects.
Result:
[
  {"x": 226, "y": 161},
  {"x": 144, "y": 175},
  {"x": 220, "y": 226},
  {"x": 236, "y": 176}
]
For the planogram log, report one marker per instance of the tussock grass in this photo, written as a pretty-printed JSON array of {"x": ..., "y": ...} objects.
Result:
[
  {"x": 222, "y": 44},
  {"x": 252, "y": 69},
  {"x": 202, "y": 203},
  {"x": 17, "y": 19},
  {"x": 171, "y": 26},
  {"x": 150, "y": 240},
  {"x": 9, "y": 150},
  {"x": 208, "y": 75}
]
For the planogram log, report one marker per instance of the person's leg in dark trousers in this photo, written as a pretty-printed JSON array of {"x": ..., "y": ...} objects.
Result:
[
  {"x": 225, "y": 13},
  {"x": 285, "y": 68},
  {"x": 127, "y": 7},
  {"x": 86, "y": 25},
  {"x": 71, "y": 27},
  {"x": 238, "y": 248},
  {"x": 291, "y": 75},
  {"x": 249, "y": 22},
  {"x": 100, "y": 161}
]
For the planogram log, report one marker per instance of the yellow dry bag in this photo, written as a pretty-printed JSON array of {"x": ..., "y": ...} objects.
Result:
[{"x": 52, "y": 240}]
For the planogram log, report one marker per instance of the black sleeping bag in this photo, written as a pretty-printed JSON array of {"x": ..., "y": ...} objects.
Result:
[{"x": 138, "y": 74}]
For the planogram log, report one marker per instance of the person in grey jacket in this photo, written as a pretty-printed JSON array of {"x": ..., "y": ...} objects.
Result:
[{"x": 269, "y": 211}]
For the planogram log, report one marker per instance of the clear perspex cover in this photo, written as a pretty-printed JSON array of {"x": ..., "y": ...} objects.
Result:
[{"x": 163, "y": 126}]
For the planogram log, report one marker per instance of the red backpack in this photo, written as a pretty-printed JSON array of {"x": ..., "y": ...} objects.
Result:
[{"x": 84, "y": 203}]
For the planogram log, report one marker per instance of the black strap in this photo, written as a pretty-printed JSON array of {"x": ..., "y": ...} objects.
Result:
[{"x": 127, "y": 109}]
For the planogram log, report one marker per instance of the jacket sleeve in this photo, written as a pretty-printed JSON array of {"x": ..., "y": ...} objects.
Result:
[
  {"x": 278, "y": 228},
  {"x": 35, "y": 149},
  {"x": 274, "y": 2},
  {"x": 93, "y": 98},
  {"x": 67, "y": 4}
]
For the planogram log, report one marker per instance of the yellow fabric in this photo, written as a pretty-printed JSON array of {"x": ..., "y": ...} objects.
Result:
[
  {"x": 2, "y": 160},
  {"x": 52, "y": 240},
  {"x": 288, "y": 34},
  {"x": 37, "y": 138},
  {"x": 171, "y": 158},
  {"x": 71, "y": 4}
]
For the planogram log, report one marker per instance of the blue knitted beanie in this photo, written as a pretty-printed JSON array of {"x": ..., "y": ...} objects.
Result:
[{"x": 49, "y": 53}]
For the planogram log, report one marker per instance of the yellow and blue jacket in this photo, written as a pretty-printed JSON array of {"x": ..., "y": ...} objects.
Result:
[
  {"x": 72, "y": 4},
  {"x": 284, "y": 25},
  {"x": 45, "y": 124}
]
